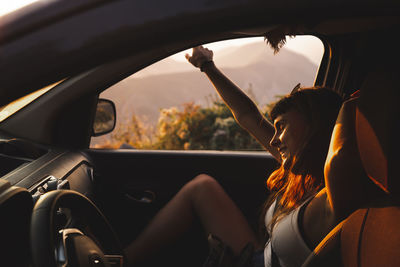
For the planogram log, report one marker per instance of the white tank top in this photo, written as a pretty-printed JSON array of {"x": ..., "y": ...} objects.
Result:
[{"x": 287, "y": 242}]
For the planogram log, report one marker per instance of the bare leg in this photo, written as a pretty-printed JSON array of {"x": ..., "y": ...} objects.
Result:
[{"x": 203, "y": 197}]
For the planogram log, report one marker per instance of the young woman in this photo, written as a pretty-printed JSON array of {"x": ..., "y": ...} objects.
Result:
[{"x": 298, "y": 214}]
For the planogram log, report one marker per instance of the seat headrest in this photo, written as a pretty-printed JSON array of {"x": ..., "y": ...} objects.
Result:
[{"x": 378, "y": 126}]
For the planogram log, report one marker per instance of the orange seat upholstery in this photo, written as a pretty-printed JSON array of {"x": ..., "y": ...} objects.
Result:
[{"x": 370, "y": 236}]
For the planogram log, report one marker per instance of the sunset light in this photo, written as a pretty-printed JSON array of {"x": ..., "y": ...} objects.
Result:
[
  {"x": 307, "y": 45},
  {"x": 9, "y": 6}
]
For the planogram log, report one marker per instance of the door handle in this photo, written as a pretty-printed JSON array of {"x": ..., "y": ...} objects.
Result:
[{"x": 146, "y": 196}]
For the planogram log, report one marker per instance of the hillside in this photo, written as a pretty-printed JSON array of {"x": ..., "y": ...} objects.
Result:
[{"x": 174, "y": 83}]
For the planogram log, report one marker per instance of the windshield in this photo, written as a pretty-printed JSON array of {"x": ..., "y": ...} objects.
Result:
[{"x": 9, "y": 109}]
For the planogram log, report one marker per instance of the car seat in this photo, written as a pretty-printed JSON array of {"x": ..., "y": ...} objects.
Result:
[{"x": 370, "y": 236}]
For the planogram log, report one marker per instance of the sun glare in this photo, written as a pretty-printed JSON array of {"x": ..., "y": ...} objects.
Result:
[{"x": 9, "y": 6}]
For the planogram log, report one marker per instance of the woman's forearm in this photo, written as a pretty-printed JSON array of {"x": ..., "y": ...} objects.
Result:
[
  {"x": 244, "y": 110},
  {"x": 239, "y": 103}
]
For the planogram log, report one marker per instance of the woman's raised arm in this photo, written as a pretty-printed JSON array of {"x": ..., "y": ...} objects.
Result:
[
  {"x": 344, "y": 173},
  {"x": 243, "y": 108},
  {"x": 345, "y": 179}
]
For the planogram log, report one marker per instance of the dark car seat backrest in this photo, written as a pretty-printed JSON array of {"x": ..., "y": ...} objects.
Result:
[
  {"x": 15, "y": 214},
  {"x": 378, "y": 127},
  {"x": 371, "y": 236}
]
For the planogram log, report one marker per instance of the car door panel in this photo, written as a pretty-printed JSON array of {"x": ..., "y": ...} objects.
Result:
[{"x": 131, "y": 185}]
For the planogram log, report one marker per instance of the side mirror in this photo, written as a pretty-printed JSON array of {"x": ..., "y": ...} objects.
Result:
[{"x": 105, "y": 119}]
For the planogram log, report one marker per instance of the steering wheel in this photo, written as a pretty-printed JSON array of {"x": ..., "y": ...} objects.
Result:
[{"x": 67, "y": 229}]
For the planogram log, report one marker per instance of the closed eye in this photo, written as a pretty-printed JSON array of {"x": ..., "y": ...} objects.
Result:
[{"x": 279, "y": 125}]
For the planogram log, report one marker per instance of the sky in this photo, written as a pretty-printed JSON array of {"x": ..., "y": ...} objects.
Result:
[{"x": 309, "y": 46}]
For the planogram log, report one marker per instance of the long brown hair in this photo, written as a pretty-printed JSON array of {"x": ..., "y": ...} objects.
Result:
[{"x": 304, "y": 177}]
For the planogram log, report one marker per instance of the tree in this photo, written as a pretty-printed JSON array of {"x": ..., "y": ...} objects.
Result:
[
  {"x": 133, "y": 133},
  {"x": 202, "y": 128}
]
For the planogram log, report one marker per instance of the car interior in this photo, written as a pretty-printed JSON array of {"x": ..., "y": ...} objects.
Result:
[
  {"x": 63, "y": 202},
  {"x": 370, "y": 236}
]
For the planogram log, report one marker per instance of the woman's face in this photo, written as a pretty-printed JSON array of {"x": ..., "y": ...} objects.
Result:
[{"x": 291, "y": 129}]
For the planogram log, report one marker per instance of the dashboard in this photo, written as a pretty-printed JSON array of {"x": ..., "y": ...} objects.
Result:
[
  {"x": 73, "y": 227},
  {"x": 28, "y": 171},
  {"x": 49, "y": 170}
]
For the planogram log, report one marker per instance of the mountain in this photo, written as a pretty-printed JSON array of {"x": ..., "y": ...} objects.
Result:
[
  {"x": 165, "y": 66},
  {"x": 172, "y": 83}
]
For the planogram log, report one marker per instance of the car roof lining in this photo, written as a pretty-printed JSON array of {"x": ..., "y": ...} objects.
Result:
[{"x": 334, "y": 26}]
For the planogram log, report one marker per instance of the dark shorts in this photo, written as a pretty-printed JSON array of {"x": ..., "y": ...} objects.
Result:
[{"x": 258, "y": 258}]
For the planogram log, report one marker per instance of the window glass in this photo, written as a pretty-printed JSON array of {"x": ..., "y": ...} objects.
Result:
[{"x": 172, "y": 105}]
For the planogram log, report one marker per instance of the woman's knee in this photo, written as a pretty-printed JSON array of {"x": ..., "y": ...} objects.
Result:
[
  {"x": 204, "y": 181},
  {"x": 202, "y": 185}
]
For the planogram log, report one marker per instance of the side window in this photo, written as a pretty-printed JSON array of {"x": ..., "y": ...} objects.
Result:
[{"x": 171, "y": 105}]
